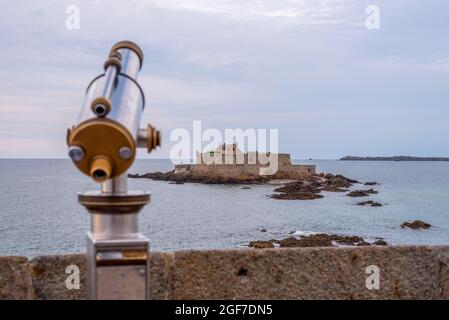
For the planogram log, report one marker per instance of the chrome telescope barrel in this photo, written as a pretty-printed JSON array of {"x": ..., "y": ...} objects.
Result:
[{"x": 103, "y": 142}]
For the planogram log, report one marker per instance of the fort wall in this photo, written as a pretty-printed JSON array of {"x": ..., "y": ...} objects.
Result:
[{"x": 248, "y": 166}]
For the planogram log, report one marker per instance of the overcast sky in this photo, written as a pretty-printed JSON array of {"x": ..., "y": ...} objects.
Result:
[{"x": 309, "y": 68}]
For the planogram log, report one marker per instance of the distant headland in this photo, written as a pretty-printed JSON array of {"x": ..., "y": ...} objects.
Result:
[{"x": 394, "y": 158}]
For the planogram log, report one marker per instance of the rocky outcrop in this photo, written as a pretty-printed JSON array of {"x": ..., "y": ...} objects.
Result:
[
  {"x": 307, "y": 187},
  {"x": 417, "y": 224},
  {"x": 210, "y": 178},
  {"x": 311, "y": 187},
  {"x": 300, "y": 190},
  {"x": 361, "y": 193},
  {"x": 369, "y": 203},
  {"x": 261, "y": 244},
  {"x": 315, "y": 240}
]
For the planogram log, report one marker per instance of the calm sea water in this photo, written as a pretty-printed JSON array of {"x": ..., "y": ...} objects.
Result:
[{"x": 39, "y": 212}]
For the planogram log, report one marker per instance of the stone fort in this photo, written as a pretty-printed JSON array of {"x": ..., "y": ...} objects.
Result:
[{"x": 230, "y": 161}]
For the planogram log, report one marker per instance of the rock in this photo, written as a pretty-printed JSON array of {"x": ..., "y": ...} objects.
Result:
[
  {"x": 319, "y": 240},
  {"x": 309, "y": 188},
  {"x": 315, "y": 240},
  {"x": 261, "y": 244},
  {"x": 357, "y": 193},
  {"x": 334, "y": 189},
  {"x": 417, "y": 224},
  {"x": 371, "y": 183},
  {"x": 337, "y": 181},
  {"x": 297, "y": 196},
  {"x": 289, "y": 242},
  {"x": 380, "y": 243},
  {"x": 341, "y": 177},
  {"x": 306, "y": 187},
  {"x": 369, "y": 203},
  {"x": 300, "y": 190},
  {"x": 210, "y": 178},
  {"x": 347, "y": 240},
  {"x": 309, "y": 241},
  {"x": 363, "y": 244},
  {"x": 361, "y": 193}
]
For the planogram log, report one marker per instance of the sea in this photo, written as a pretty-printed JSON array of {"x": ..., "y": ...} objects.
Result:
[{"x": 39, "y": 212}]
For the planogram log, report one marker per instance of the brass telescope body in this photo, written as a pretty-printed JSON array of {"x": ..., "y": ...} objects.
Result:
[{"x": 102, "y": 144}]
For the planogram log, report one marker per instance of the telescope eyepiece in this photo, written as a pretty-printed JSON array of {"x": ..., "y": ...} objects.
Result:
[
  {"x": 101, "y": 169},
  {"x": 100, "y": 110},
  {"x": 99, "y": 174},
  {"x": 101, "y": 106}
]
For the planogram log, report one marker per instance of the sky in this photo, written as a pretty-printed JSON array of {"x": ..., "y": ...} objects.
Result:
[{"x": 309, "y": 68}]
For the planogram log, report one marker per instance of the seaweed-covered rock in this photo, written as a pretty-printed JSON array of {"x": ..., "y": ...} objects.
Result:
[
  {"x": 314, "y": 240},
  {"x": 417, "y": 224},
  {"x": 210, "y": 178},
  {"x": 361, "y": 193},
  {"x": 305, "y": 187},
  {"x": 261, "y": 244},
  {"x": 369, "y": 203},
  {"x": 297, "y": 191}
]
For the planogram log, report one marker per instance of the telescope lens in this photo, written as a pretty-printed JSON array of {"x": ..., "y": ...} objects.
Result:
[
  {"x": 100, "y": 109},
  {"x": 99, "y": 174}
]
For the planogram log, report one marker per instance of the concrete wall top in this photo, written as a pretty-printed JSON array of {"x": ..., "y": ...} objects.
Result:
[{"x": 417, "y": 272}]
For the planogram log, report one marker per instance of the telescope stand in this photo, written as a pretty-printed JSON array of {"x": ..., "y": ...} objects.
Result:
[{"x": 117, "y": 254}]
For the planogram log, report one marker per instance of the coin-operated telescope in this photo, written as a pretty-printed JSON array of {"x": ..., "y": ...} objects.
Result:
[{"x": 102, "y": 144}]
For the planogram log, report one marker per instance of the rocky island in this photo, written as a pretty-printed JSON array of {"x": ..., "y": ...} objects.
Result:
[
  {"x": 315, "y": 240},
  {"x": 394, "y": 158},
  {"x": 230, "y": 166}
]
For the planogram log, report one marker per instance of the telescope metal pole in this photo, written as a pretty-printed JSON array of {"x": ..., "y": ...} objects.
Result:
[{"x": 117, "y": 254}]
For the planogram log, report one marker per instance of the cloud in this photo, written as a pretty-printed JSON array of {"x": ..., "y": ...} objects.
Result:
[{"x": 307, "y": 67}]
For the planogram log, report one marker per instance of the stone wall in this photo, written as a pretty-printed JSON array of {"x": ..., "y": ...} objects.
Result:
[
  {"x": 236, "y": 170},
  {"x": 418, "y": 272}
]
